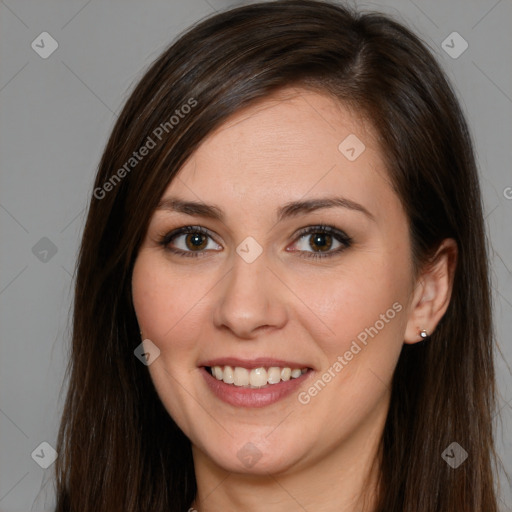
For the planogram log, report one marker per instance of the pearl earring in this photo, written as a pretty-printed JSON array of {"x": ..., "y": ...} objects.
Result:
[{"x": 423, "y": 334}]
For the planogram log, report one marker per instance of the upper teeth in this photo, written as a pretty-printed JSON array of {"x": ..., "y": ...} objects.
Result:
[{"x": 257, "y": 377}]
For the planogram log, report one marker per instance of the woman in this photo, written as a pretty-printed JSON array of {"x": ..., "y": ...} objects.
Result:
[{"x": 282, "y": 297}]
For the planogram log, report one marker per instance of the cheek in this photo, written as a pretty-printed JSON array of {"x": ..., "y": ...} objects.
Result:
[
  {"x": 363, "y": 300},
  {"x": 166, "y": 304},
  {"x": 168, "y": 308},
  {"x": 358, "y": 324}
]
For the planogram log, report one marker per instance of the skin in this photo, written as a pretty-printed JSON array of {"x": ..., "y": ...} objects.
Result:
[{"x": 320, "y": 455}]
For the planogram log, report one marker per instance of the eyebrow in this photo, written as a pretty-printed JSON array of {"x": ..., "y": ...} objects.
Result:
[{"x": 291, "y": 209}]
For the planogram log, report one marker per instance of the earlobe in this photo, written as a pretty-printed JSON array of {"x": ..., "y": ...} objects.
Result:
[{"x": 432, "y": 293}]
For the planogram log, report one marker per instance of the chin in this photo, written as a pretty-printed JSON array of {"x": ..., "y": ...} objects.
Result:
[{"x": 256, "y": 454}]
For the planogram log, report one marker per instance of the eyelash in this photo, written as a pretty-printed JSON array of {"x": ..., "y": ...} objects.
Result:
[{"x": 337, "y": 234}]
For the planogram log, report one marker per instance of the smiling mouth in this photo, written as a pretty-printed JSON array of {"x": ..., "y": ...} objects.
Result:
[{"x": 254, "y": 378}]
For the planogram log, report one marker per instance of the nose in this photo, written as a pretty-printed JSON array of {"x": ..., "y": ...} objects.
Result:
[{"x": 251, "y": 300}]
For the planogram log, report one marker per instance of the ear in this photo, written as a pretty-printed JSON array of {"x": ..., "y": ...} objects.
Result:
[{"x": 432, "y": 292}]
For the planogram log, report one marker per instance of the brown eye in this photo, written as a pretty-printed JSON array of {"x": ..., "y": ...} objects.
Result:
[
  {"x": 190, "y": 241},
  {"x": 195, "y": 241},
  {"x": 320, "y": 241}
]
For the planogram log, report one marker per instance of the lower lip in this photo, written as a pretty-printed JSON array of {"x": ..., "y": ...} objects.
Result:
[{"x": 252, "y": 397}]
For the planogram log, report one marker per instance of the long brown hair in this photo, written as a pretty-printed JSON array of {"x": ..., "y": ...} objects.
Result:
[{"x": 119, "y": 448}]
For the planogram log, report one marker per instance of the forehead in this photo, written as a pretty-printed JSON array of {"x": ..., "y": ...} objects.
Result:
[{"x": 293, "y": 144}]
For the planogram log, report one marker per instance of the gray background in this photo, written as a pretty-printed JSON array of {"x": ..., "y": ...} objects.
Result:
[{"x": 56, "y": 115}]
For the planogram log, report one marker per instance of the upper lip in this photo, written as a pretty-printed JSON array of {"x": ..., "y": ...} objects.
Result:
[{"x": 260, "y": 362}]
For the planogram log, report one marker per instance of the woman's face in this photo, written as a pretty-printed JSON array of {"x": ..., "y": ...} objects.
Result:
[{"x": 294, "y": 269}]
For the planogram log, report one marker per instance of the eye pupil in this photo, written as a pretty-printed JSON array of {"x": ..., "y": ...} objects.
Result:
[
  {"x": 320, "y": 240},
  {"x": 196, "y": 241}
]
